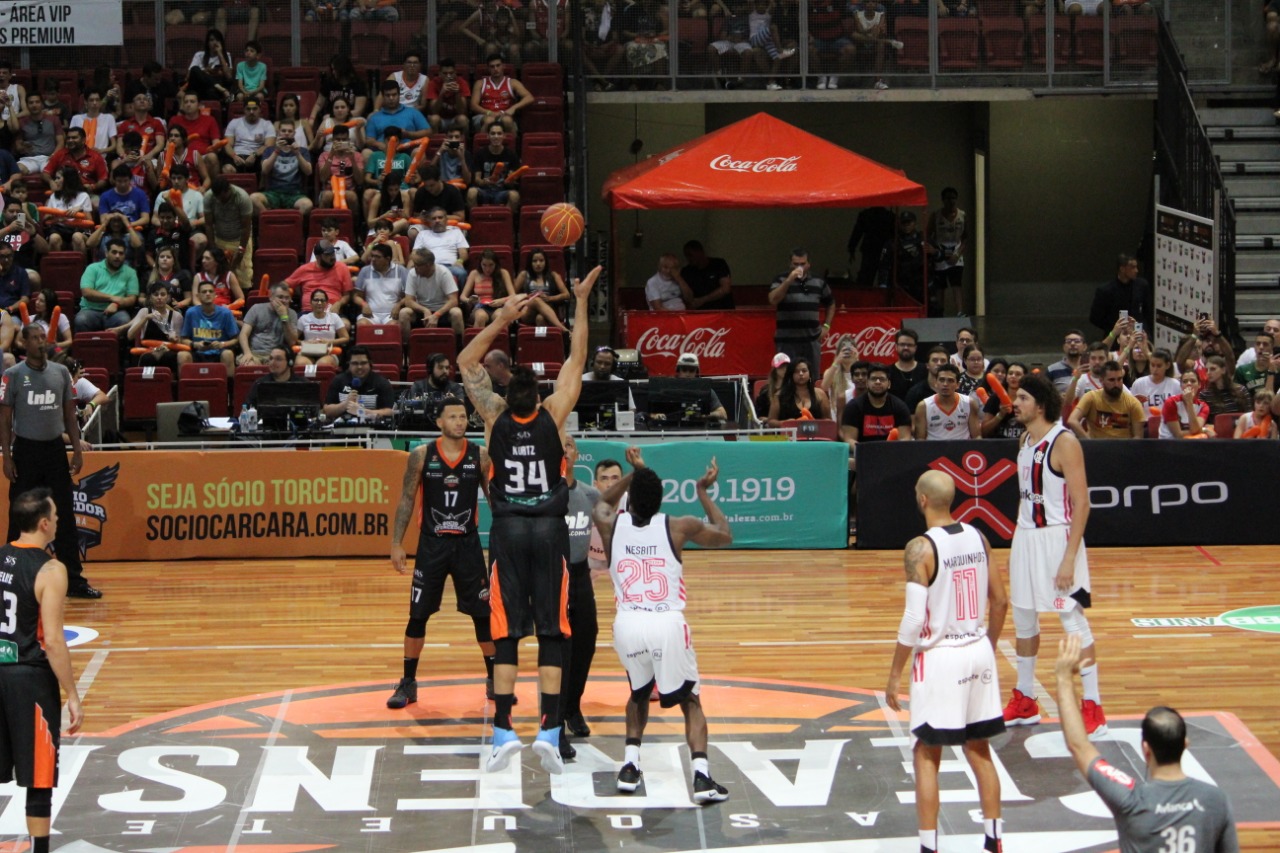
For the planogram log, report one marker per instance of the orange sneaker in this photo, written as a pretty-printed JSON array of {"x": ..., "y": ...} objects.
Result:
[
  {"x": 1095, "y": 722},
  {"x": 1022, "y": 710}
]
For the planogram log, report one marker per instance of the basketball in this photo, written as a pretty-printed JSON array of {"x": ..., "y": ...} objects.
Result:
[{"x": 562, "y": 224}]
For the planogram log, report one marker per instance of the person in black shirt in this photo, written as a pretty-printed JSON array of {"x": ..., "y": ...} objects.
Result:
[
  {"x": 342, "y": 81},
  {"x": 153, "y": 84},
  {"x": 1128, "y": 291},
  {"x": 708, "y": 278},
  {"x": 873, "y": 229},
  {"x": 489, "y": 184},
  {"x": 359, "y": 393},
  {"x": 906, "y": 372},
  {"x": 435, "y": 193}
]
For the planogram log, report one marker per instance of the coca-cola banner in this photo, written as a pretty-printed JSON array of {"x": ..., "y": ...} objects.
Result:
[{"x": 741, "y": 341}]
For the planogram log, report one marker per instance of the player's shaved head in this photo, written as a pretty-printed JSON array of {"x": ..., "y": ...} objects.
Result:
[
  {"x": 938, "y": 489},
  {"x": 1165, "y": 732}
]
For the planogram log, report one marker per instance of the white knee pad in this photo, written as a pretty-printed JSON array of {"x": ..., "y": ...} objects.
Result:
[
  {"x": 1075, "y": 622},
  {"x": 1026, "y": 623}
]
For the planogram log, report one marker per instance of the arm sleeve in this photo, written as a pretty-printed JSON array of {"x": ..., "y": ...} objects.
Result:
[{"x": 913, "y": 614}]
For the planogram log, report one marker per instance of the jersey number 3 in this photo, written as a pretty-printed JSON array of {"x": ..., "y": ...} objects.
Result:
[{"x": 531, "y": 475}]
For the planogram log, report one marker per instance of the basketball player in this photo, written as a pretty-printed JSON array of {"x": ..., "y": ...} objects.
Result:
[
  {"x": 34, "y": 660},
  {"x": 449, "y": 474},
  {"x": 649, "y": 632},
  {"x": 947, "y": 414},
  {"x": 1048, "y": 567},
  {"x": 955, "y": 694},
  {"x": 1166, "y": 812},
  {"x": 529, "y": 540}
]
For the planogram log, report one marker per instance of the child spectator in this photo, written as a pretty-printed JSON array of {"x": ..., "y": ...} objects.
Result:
[
  {"x": 251, "y": 73},
  {"x": 1261, "y": 410}
]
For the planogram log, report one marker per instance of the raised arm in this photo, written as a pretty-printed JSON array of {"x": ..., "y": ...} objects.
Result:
[
  {"x": 605, "y": 512},
  {"x": 475, "y": 379},
  {"x": 713, "y": 533},
  {"x": 1073, "y": 732},
  {"x": 569, "y": 383}
]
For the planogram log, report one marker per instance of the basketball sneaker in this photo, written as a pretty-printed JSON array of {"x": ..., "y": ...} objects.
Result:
[
  {"x": 547, "y": 748},
  {"x": 1022, "y": 710},
  {"x": 629, "y": 778},
  {"x": 1095, "y": 722},
  {"x": 705, "y": 790},
  {"x": 505, "y": 744},
  {"x": 406, "y": 694}
]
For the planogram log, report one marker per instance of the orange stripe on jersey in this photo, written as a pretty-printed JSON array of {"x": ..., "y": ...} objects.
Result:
[
  {"x": 45, "y": 757},
  {"x": 528, "y": 419},
  {"x": 564, "y": 599},
  {"x": 498, "y": 629}
]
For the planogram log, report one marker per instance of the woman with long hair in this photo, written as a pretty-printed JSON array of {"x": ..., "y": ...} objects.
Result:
[
  {"x": 798, "y": 397},
  {"x": 213, "y": 267},
  {"x": 340, "y": 113},
  {"x": 43, "y": 302},
  {"x": 67, "y": 195},
  {"x": 171, "y": 275},
  {"x": 342, "y": 79},
  {"x": 211, "y": 74},
  {"x": 487, "y": 287},
  {"x": 291, "y": 110},
  {"x": 1220, "y": 391},
  {"x": 838, "y": 380},
  {"x": 544, "y": 283},
  {"x": 997, "y": 419},
  {"x": 772, "y": 384},
  {"x": 158, "y": 322}
]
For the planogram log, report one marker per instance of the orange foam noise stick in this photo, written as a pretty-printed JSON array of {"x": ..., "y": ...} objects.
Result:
[
  {"x": 418, "y": 154},
  {"x": 982, "y": 395},
  {"x": 355, "y": 122},
  {"x": 297, "y": 348},
  {"x": 265, "y": 284},
  {"x": 175, "y": 199},
  {"x": 998, "y": 387},
  {"x": 54, "y": 317},
  {"x": 496, "y": 174},
  {"x": 217, "y": 146},
  {"x": 389, "y": 163},
  {"x": 1262, "y": 430},
  {"x": 23, "y": 314},
  {"x": 458, "y": 223},
  {"x": 1154, "y": 410},
  {"x": 516, "y": 174},
  {"x": 237, "y": 305},
  {"x": 168, "y": 165},
  {"x": 457, "y": 182},
  {"x": 893, "y": 434},
  {"x": 152, "y": 344},
  {"x": 338, "y": 186}
]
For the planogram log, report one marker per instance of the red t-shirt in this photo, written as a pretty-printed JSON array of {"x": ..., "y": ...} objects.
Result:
[
  {"x": 201, "y": 133},
  {"x": 335, "y": 282},
  {"x": 448, "y": 106},
  {"x": 150, "y": 129},
  {"x": 89, "y": 164}
]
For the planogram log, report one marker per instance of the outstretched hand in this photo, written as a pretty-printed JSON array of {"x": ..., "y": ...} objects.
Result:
[
  {"x": 634, "y": 459},
  {"x": 708, "y": 479},
  {"x": 512, "y": 308},
  {"x": 582, "y": 287},
  {"x": 1068, "y": 663}
]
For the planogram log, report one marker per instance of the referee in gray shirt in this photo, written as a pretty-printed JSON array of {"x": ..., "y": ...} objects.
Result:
[
  {"x": 38, "y": 405},
  {"x": 583, "y": 621}
]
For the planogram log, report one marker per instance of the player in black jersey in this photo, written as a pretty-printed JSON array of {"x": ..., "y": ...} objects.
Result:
[
  {"x": 449, "y": 473},
  {"x": 34, "y": 660},
  {"x": 529, "y": 539}
]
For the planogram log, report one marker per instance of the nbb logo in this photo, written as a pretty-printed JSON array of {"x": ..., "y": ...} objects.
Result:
[{"x": 1159, "y": 497}]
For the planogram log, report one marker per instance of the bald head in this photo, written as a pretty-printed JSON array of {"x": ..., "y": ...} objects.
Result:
[{"x": 937, "y": 488}]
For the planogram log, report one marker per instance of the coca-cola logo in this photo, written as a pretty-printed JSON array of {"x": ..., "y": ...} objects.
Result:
[
  {"x": 725, "y": 163},
  {"x": 874, "y": 343},
  {"x": 702, "y": 342}
]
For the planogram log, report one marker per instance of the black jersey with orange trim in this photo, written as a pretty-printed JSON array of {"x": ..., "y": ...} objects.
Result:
[
  {"x": 450, "y": 490},
  {"x": 21, "y": 637},
  {"x": 527, "y": 477}
]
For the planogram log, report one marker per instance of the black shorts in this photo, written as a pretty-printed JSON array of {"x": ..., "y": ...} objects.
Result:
[
  {"x": 456, "y": 556},
  {"x": 529, "y": 576},
  {"x": 26, "y": 754}
]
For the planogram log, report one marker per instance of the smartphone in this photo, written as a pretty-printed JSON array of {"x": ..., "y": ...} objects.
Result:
[
  {"x": 1124, "y": 314},
  {"x": 21, "y": 219},
  {"x": 1203, "y": 315},
  {"x": 1137, "y": 328}
]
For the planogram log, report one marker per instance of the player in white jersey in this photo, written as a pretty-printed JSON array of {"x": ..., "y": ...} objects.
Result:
[
  {"x": 952, "y": 589},
  {"x": 649, "y": 632},
  {"x": 1048, "y": 566},
  {"x": 947, "y": 414}
]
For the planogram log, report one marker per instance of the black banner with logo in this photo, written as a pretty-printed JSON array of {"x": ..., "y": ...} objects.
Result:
[{"x": 1142, "y": 492}]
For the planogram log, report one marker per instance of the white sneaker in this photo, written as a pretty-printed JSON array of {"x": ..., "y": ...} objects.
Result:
[
  {"x": 787, "y": 54},
  {"x": 880, "y": 84},
  {"x": 895, "y": 44},
  {"x": 822, "y": 82},
  {"x": 832, "y": 83},
  {"x": 772, "y": 87}
]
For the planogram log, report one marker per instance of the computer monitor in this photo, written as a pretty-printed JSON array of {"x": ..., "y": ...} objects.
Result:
[
  {"x": 600, "y": 400},
  {"x": 680, "y": 400},
  {"x": 283, "y": 403}
]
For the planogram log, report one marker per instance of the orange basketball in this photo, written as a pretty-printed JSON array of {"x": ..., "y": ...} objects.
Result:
[{"x": 562, "y": 224}]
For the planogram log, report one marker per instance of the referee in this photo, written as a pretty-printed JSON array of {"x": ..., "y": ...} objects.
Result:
[{"x": 38, "y": 405}]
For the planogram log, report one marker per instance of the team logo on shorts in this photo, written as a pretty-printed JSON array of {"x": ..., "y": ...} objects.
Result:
[{"x": 91, "y": 516}]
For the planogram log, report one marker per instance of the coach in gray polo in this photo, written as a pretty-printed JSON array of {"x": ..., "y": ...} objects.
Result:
[{"x": 800, "y": 300}]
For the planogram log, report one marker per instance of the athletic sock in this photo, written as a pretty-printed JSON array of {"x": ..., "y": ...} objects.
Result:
[
  {"x": 700, "y": 764},
  {"x": 410, "y": 669},
  {"x": 1089, "y": 683},
  {"x": 928, "y": 841},
  {"x": 551, "y": 711},
  {"x": 993, "y": 829},
  {"x": 1027, "y": 675},
  {"x": 631, "y": 752},
  {"x": 39, "y": 844},
  {"x": 502, "y": 703},
  {"x": 488, "y": 667}
]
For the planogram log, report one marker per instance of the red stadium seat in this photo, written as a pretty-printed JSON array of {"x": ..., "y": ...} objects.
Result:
[
  {"x": 247, "y": 181},
  {"x": 539, "y": 344},
  {"x": 542, "y": 186},
  {"x": 346, "y": 223},
  {"x": 62, "y": 271},
  {"x": 1005, "y": 41},
  {"x": 98, "y": 349},
  {"x": 543, "y": 79},
  {"x": 245, "y": 376},
  {"x": 491, "y": 226},
  {"x": 424, "y": 342},
  {"x": 531, "y": 223},
  {"x": 280, "y": 229},
  {"x": 297, "y": 78},
  {"x": 544, "y": 115},
  {"x": 914, "y": 35},
  {"x": 322, "y": 373},
  {"x": 544, "y": 369},
  {"x": 958, "y": 44},
  {"x": 378, "y": 333},
  {"x": 144, "y": 389},
  {"x": 542, "y": 150},
  {"x": 276, "y": 263},
  {"x": 1224, "y": 426},
  {"x": 205, "y": 381},
  {"x": 391, "y": 371},
  {"x": 501, "y": 342}
]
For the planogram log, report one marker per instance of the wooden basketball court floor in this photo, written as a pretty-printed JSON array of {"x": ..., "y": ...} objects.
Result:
[{"x": 783, "y": 638}]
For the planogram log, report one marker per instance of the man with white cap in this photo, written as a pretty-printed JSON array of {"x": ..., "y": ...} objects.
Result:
[{"x": 687, "y": 367}]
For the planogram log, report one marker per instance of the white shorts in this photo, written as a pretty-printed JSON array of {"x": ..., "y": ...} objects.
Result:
[
  {"x": 380, "y": 319},
  {"x": 1034, "y": 558},
  {"x": 33, "y": 163},
  {"x": 724, "y": 46},
  {"x": 955, "y": 694},
  {"x": 657, "y": 646},
  {"x": 1088, "y": 7}
]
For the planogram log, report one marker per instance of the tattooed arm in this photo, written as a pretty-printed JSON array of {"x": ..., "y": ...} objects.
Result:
[
  {"x": 408, "y": 496},
  {"x": 917, "y": 562}
]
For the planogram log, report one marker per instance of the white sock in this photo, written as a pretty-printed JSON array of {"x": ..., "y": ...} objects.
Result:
[
  {"x": 929, "y": 839},
  {"x": 993, "y": 827},
  {"x": 1089, "y": 681},
  {"x": 1027, "y": 675},
  {"x": 631, "y": 755},
  {"x": 701, "y": 765}
]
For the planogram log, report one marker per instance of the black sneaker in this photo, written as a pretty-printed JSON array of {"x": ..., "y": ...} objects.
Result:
[
  {"x": 705, "y": 790},
  {"x": 406, "y": 694},
  {"x": 577, "y": 726},
  {"x": 489, "y": 694},
  {"x": 629, "y": 778},
  {"x": 83, "y": 590},
  {"x": 567, "y": 752}
]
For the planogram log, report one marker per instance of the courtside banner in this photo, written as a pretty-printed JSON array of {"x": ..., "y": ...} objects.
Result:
[
  {"x": 70, "y": 23},
  {"x": 741, "y": 341},
  {"x": 1141, "y": 492}
]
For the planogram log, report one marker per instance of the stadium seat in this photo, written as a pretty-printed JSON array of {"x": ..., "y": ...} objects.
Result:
[
  {"x": 205, "y": 381},
  {"x": 322, "y": 373},
  {"x": 247, "y": 181},
  {"x": 542, "y": 150},
  {"x": 491, "y": 226},
  {"x": 914, "y": 35},
  {"x": 245, "y": 376},
  {"x": 501, "y": 342},
  {"x": 391, "y": 371},
  {"x": 542, "y": 186},
  {"x": 531, "y": 223},
  {"x": 539, "y": 344},
  {"x": 379, "y": 333},
  {"x": 1005, "y": 42},
  {"x": 1224, "y": 426},
  {"x": 1153, "y": 426},
  {"x": 275, "y": 263},
  {"x": 280, "y": 229},
  {"x": 346, "y": 224},
  {"x": 297, "y": 78},
  {"x": 1087, "y": 52},
  {"x": 98, "y": 349},
  {"x": 958, "y": 44},
  {"x": 543, "y": 79},
  {"x": 423, "y": 342},
  {"x": 61, "y": 271},
  {"x": 1133, "y": 41},
  {"x": 144, "y": 388},
  {"x": 544, "y": 115},
  {"x": 544, "y": 369},
  {"x": 369, "y": 46}
]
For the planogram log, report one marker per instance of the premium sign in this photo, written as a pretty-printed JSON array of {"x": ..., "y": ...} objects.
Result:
[{"x": 81, "y": 22}]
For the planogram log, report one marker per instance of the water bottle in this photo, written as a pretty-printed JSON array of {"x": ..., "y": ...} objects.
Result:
[
  {"x": 253, "y": 418},
  {"x": 244, "y": 418}
]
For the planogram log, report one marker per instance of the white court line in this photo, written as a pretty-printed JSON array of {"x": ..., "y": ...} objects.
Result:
[
  {"x": 1172, "y": 633},
  {"x": 86, "y": 679},
  {"x": 1048, "y": 705},
  {"x": 278, "y": 724},
  {"x": 817, "y": 642},
  {"x": 254, "y": 648}
]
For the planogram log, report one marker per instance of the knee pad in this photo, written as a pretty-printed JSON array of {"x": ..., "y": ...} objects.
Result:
[
  {"x": 484, "y": 634},
  {"x": 550, "y": 651},
  {"x": 1026, "y": 623},
  {"x": 507, "y": 652},
  {"x": 416, "y": 629},
  {"x": 1075, "y": 622},
  {"x": 39, "y": 802}
]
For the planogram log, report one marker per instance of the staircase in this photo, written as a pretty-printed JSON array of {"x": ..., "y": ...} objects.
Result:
[{"x": 1246, "y": 141}]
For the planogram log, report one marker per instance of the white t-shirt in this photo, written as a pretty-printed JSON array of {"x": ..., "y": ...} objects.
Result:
[
  {"x": 192, "y": 203},
  {"x": 431, "y": 292},
  {"x": 382, "y": 290},
  {"x": 342, "y": 251},
  {"x": 444, "y": 245},
  {"x": 85, "y": 390},
  {"x": 1157, "y": 393},
  {"x": 80, "y": 203},
  {"x": 246, "y": 138},
  {"x": 313, "y": 328},
  {"x": 664, "y": 290},
  {"x": 105, "y": 132}
]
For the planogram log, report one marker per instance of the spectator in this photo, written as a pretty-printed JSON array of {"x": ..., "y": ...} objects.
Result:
[
  {"x": 201, "y": 131},
  {"x": 1220, "y": 391},
  {"x": 149, "y": 128},
  {"x": 37, "y": 134},
  {"x": 108, "y": 291},
  {"x": 393, "y": 115},
  {"x": 947, "y": 415},
  {"x": 251, "y": 74},
  {"x": 142, "y": 168},
  {"x": 975, "y": 370},
  {"x": 965, "y": 337},
  {"x": 1157, "y": 386},
  {"x": 906, "y": 372},
  {"x": 18, "y": 232},
  {"x": 798, "y": 398},
  {"x": 126, "y": 199},
  {"x": 331, "y": 231},
  {"x": 872, "y": 231},
  {"x": 643, "y": 31},
  {"x": 600, "y": 45},
  {"x": 279, "y": 369},
  {"x": 15, "y": 286},
  {"x": 116, "y": 226},
  {"x": 211, "y": 74},
  {"x": 1061, "y": 373},
  {"x": 799, "y": 299},
  {"x": 498, "y": 365},
  {"x": 340, "y": 116},
  {"x": 434, "y": 192},
  {"x": 1206, "y": 342},
  {"x": 248, "y": 138},
  {"x": 544, "y": 283},
  {"x": 492, "y": 26},
  {"x": 1270, "y": 327},
  {"x": 324, "y": 273},
  {"x": 666, "y": 290},
  {"x": 487, "y": 287},
  {"x": 447, "y": 244},
  {"x": 772, "y": 384},
  {"x": 380, "y": 11},
  {"x": 537, "y": 45},
  {"x": 494, "y": 176},
  {"x": 1088, "y": 377},
  {"x": 497, "y": 98},
  {"x": 67, "y": 195},
  {"x": 998, "y": 420},
  {"x": 325, "y": 10},
  {"x": 213, "y": 270},
  {"x": 183, "y": 156},
  {"x": 286, "y": 172},
  {"x": 153, "y": 83},
  {"x": 830, "y": 47},
  {"x": 688, "y": 367},
  {"x": 905, "y": 263},
  {"x": 379, "y": 287},
  {"x": 383, "y": 234},
  {"x": 89, "y": 397},
  {"x": 453, "y": 159},
  {"x": 736, "y": 38},
  {"x": 448, "y": 98},
  {"x": 13, "y": 96},
  {"x": 1110, "y": 411},
  {"x": 165, "y": 232},
  {"x": 268, "y": 325},
  {"x": 1261, "y": 410},
  {"x": 168, "y": 272},
  {"x": 99, "y": 125},
  {"x": 42, "y": 304},
  {"x": 387, "y": 188},
  {"x": 929, "y": 385},
  {"x": 1260, "y": 374},
  {"x": 190, "y": 213},
  {"x": 1136, "y": 357},
  {"x": 1083, "y": 7},
  {"x": 8, "y": 167},
  {"x": 291, "y": 111},
  {"x": 344, "y": 161},
  {"x": 159, "y": 321},
  {"x": 359, "y": 393},
  {"x": 437, "y": 384},
  {"x": 86, "y": 161},
  {"x": 1128, "y": 291},
  {"x": 764, "y": 37},
  {"x": 209, "y": 329},
  {"x": 431, "y": 294},
  {"x": 837, "y": 381},
  {"x": 228, "y": 225},
  {"x": 411, "y": 81},
  {"x": 872, "y": 416},
  {"x": 1185, "y": 416},
  {"x": 947, "y": 230},
  {"x": 321, "y": 324},
  {"x": 871, "y": 31},
  {"x": 342, "y": 81},
  {"x": 709, "y": 279}
]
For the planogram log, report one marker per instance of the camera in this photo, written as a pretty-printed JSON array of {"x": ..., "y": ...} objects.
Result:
[{"x": 455, "y": 144}]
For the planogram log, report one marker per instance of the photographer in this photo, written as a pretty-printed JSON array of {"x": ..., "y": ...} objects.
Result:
[{"x": 285, "y": 168}]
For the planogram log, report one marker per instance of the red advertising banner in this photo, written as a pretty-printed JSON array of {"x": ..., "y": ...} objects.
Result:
[{"x": 741, "y": 341}]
